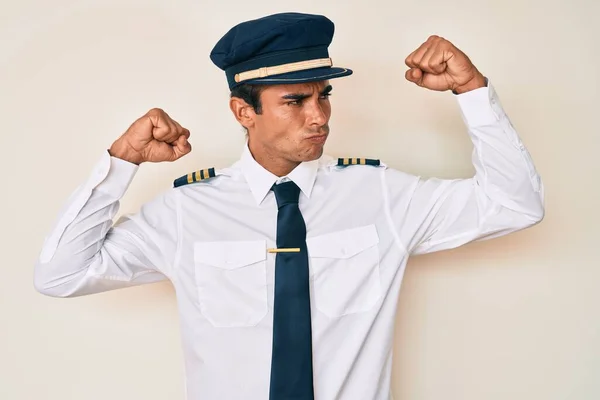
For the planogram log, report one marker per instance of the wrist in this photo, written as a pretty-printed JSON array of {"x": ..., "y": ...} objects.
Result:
[
  {"x": 123, "y": 151},
  {"x": 478, "y": 81}
]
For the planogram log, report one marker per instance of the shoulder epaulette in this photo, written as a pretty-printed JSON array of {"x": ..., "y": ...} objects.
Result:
[
  {"x": 342, "y": 162},
  {"x": 196, "y": 176}
]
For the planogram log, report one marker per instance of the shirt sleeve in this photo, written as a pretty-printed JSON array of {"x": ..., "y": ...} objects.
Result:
[
  {"x": 86, "y": 252},
  {"x": 505, "y": 194}
]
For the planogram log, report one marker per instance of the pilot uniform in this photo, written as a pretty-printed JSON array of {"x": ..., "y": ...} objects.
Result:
[{"x": 214, "y": 235}]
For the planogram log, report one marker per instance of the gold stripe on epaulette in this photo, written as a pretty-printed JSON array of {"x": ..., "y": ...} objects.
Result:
[{"x": 343, "y": 162}]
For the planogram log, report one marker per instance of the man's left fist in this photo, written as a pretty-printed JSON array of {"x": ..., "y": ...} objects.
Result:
[{"x": 438, "y": 65}]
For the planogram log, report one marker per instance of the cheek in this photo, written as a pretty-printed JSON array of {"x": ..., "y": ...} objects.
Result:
[
  {"x": 283, "y": 122},
  {"x": 327, "y": 110},
  {"x": 284, "y": 127},
  {"x": 277, "y": 126},
  {"x": 289, "y": 122}
]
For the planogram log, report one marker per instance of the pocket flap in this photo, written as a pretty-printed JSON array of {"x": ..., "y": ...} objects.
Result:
[
  {"x": 343, "y": 244},
  {"x": 230, "y": 255}
]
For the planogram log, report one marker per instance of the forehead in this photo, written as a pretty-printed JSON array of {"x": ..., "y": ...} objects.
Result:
[{"x": 308, "y": 87}]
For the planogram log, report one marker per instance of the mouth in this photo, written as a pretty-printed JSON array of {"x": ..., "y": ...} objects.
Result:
[{"x": 317, "y": 138}]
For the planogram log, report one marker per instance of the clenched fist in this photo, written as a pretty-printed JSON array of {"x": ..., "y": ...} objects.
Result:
[
  {"x": 438, "y": 65},
  {"x": 154, "y": 137}
]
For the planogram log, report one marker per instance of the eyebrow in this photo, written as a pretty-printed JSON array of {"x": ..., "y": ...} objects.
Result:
[{"x": 302, "y": 96}]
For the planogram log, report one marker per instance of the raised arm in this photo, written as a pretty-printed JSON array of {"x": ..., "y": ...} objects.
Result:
[
  {"x": 505, "y": 194},
  {"x": 85, "y": 252}
]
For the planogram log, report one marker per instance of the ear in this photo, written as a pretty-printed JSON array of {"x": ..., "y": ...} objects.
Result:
[{"x": 243, "y": 112}]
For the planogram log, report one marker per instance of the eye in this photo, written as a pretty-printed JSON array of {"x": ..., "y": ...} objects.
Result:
[
  {"x": 294, "y": 103},
  {"x": 325, "y": 96}
]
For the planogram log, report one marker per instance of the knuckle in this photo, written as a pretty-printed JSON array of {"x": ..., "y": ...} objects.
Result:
[{"x": 155, "y": 111}]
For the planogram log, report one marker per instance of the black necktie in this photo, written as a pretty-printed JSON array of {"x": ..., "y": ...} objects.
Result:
[{"x": 291, "y": 362}]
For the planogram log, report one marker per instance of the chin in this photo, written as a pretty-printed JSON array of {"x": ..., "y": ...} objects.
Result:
[{"x": 313, "y": 154}]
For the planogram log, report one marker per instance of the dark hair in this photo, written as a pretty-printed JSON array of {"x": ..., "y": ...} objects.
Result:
[{"x": 250, "y": 94}]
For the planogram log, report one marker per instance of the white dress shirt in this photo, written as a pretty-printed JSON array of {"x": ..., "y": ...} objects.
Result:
[{"x": 210, "y": 239}]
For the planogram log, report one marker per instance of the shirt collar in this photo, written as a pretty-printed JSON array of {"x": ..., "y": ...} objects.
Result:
[{"x": 260, "y": 180}]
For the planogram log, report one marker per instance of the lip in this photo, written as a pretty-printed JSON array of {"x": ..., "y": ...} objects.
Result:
[{"x": 317, "y": 138}]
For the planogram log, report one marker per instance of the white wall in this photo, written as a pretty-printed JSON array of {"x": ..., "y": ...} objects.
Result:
[{"x": 512, "y": 318}]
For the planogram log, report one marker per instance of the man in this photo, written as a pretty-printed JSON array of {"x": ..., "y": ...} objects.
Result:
[{"x": 287, "y": 265}]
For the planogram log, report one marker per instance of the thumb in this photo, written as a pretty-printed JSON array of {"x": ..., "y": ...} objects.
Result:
[
  {"x": 158, "y": 125},
  {"x": 154, "y": 123},
  {"x": 144, "y": 127}
]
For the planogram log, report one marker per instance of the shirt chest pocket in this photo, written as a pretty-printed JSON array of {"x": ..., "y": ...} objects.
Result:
[
  {"x": 345, "y": 270},
  {"x": 231, "y": 279}
]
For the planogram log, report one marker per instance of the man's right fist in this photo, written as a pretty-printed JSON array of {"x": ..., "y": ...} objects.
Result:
[{"x": 154, "y": 137}]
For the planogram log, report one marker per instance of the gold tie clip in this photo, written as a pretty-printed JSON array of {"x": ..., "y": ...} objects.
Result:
[{"x": 290, "y": 250}]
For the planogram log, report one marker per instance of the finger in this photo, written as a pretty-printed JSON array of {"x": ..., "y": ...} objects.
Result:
[
  {"x": 434, "y": 82},
  {"x": 185, "y": 133},
  {"x": 431, "y": 61},
  {"x": 413, "y": 60},
  {"x": 161, "y": 151},
  {"x": 157, "y": 116},
  {"x": 181, "y": 130},
  {"x": 181, "y": 147},
  {"x": 173, "y": 133},
  {"x": 437, "y": 62},
  {"x": 170, "y": 132},
  {"x": 165, "y": 134},
  {"x": 159, "y": 120},
  {"x": 414, "y": 75}
]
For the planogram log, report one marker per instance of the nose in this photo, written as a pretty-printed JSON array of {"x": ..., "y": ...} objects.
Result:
[{"x": 317, "y": 115}]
